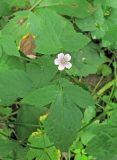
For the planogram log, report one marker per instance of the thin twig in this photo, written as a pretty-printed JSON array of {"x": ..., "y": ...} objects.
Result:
[
  {"x": 35, "y": 5},
  {"x": 8, "y": 116}
]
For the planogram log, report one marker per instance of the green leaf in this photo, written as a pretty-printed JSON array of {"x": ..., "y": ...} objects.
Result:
[
  {"x": 33, "y": 2},
  {"x": 62, "y": 115},
  {"x": 4, "y": 111},
  {"x": 89, "y": 114},
  {"x": 50, "y": 38},
  {"x": 57, "y": 35},
  {"x": 13, "y": 84},
  {"x": 6, "y": 148},
  {"x": 1, "y": 51},
  {"x": 14, "y": 26},
  {"x": 103, "y": 145},
  {"x": 112, "y": 3},
  {"x": 42, "y": 96},
  {"x": 23, "y": 23},
  {"x": 45, "y": 152},
  {"x": 87, "y": 61},
  {"x": 20, "y": 153},
  {"x": 89, "y": 132},
  {"x": 11, "y": 62},
  {"x": 92, "y": 22},
  {"x": 65, "y": 100},
  {"x": 11, "y": 150},
  {"x": 27, "y": 119},
  {"x": 16, "y": 3},
  {"x": 111, "y": 34},
  {"x": 4, "y": 8},
  {"x": 42, "y": 72},
  {"x": 113, "y": 118},
  {"x": 74, "y": 8},
  {"x": 8, "y": 45},
  {"x": 77, "y": 96},
  {"x": 106, "y": 70},
  {"x": 115, "y": 93}
]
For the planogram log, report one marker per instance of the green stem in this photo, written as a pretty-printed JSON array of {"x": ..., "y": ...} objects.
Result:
[
  {"x": 96, "y": 118},
  {"x": 8, "y": 116},
  {"x": 97, "y": 85},
  {"x": 35, "y": 5},
  {"x": 46, "y": 147},
  {"x": 111, "y": 94},
  {"x": 24, "y": 124},
  {"x": 69, "y": 155},
  {"x": 105, "y": 88},
  {"x": 1, "y": 133}
]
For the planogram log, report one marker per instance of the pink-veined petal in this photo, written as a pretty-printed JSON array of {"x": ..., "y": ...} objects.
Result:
[
  {"x": 61, "y": 56},
  {"x": 56, "y": 61},
  {"x": 61, "y": 67},
  {"x": 67, "y": 57},
  {"x": 68, "y": 65}
]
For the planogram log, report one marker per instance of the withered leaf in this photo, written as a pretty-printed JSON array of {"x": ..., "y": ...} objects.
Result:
[{"x": 27, "y": 46}]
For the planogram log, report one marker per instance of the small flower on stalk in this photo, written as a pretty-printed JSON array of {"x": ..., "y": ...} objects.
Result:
[{"x": 62, "y": 61}]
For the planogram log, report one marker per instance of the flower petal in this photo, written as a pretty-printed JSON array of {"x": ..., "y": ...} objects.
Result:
[
  {"x": 67, "y": 57},
  {"x": 60, "y": 55},
  {"x": 56, "y": 61},
  {"x": 61, "y": 67},
  {"x": 68, "y": 65}
]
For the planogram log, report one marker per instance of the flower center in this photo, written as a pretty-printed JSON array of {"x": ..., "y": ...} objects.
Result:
[{"x": 63, "y": 61}]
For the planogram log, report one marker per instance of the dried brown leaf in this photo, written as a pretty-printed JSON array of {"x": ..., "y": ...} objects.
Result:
[{"x": 27, "y": 46}]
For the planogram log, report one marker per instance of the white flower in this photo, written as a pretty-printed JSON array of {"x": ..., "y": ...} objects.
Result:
[{"x": 62, "y": 61}]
